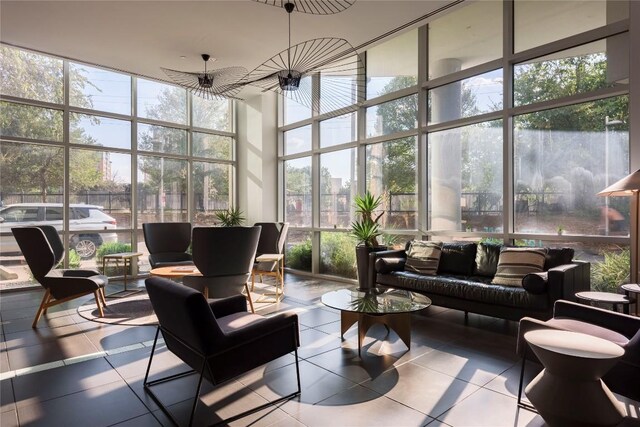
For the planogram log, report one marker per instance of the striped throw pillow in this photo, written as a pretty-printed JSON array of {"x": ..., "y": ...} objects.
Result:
[
  {"x": 515, "y": 263},
  {"x": 423, "y": 257}
]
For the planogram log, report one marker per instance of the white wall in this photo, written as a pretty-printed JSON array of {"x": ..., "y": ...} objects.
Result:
[{"x": 257, "y": 156}]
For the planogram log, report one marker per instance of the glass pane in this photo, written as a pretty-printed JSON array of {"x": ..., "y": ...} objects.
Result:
[
  {"x": 535, "y": 25},
  {"x": 562, "y": 158},
  {"x": 465, "y": 178},
  {"x": 103, "y": 131},
  {"x": 466, "y": 98},
  {"x": 339, "y": 85},
  {"x": 30, "y": 75},
  {"x": 162, "y": 139},
  {"x": 582, "y": 69},
  {"x": 212, "y": 113},
  {"x": 298, "y": 250},
  {"x": 467, "y": 37},
  {"x": 99, "y": 89},
  {"x": 212, "y": 146},
  {"x": 211, "y": 190},
  {"x": 391, "y": 172},
  {"x": 103, "y": 179},
  {"x": 338, "y": 130},
  {"x": 338, "y": 254},
  {"x": 31, "y": 173},
  {"x": 294, "y": 111},
  {"x": 160, "y": 101},
  {"x": 393, "y": 65},
  {"x": 338, "y": 181},
  {"x": 393, "y": 116},
  {"x": 297, "y": 140},
  {"x": 297, "y": 184},
  {"x": 30, "y": 122},
  {"x": 162, "y": 190}
]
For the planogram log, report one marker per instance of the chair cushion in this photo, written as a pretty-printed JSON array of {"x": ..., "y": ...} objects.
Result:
[
  {"x": 487, "y": 259},
  {"x": 423, "y": 257},
  {"x": 236, "y": 321},
  {"x": 589, "y": 329},
  {"x": 457, "y": 258},
  {"x": 515, "y": 263},
  {"x": 558, "y": 256}
]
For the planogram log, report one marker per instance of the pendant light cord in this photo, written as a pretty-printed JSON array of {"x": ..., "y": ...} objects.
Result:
[{"x": 289, "y": 48}]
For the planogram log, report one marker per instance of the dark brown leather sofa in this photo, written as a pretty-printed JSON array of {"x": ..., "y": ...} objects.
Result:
[{"x": 465, "y": 272}]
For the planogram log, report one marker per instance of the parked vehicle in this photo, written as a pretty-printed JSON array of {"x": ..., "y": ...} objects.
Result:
[{"x": 84, "y": 219}]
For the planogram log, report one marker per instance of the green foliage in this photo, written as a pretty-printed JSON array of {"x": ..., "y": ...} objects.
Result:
[
  {"x": 338, "y": 256},
  {"x": 299, "y": 256},
  {"x": 74, "y": 260},
  {"x": 366, "y": 230},
  {"x": 112, "y": 248},
  {"x": 230, "y": 217},
  {"x": 612, "y": 272}
]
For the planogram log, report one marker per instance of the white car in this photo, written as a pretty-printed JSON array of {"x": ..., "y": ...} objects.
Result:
[{"x": 84, "y": 218}]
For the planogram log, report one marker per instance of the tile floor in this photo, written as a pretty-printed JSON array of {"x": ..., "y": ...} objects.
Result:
[{"x": 74, "y": 372}]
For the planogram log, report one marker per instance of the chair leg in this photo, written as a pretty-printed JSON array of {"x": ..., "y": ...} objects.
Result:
[
  {"x": 42, "y": 308},
  {"x": 253, "y": 279},
  {"x": 103, "y": 297},
  {"x": 195, "y": 399},
  {"x": 96, "y": 293},
  {"x": 246, "y": 287},
  {"x": 521, "y": 383}
]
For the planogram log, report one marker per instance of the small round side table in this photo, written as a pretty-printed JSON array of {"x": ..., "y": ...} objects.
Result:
[
  {"x": 633, "y": 288},
  {"x": 606, "y": 298},
  {"x": 569, "y": 391}
]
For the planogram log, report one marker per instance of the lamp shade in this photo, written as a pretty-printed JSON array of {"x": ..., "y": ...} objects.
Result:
[{"x": 625, "y": 187}]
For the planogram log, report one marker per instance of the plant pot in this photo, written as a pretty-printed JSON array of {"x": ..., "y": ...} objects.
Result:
[{"x": 366, "y": 270}]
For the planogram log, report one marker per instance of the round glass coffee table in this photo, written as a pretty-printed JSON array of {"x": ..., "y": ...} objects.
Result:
[{"x": 391, "y": 308}]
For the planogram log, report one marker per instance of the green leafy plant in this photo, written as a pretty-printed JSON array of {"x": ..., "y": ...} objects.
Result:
[
  {"x": 366, "y": 230},
  {"x": 111, "y": 248},
  {"x": 74, "y": 260},
  {"x": 230, "y": 217},
  {"x": 560, "y": 230},
  {"x": 612, "y": 272},
  {"x": 299, "y": 256},
  {"x": 337, "y": 256}
]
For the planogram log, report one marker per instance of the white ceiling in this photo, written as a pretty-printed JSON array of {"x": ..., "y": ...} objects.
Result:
[{"x": 142, "y": 36}]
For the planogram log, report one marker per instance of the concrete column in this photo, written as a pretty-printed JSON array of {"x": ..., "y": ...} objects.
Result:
[
  {"x": 446, "y": 152},
  {"x": 257, "y": 155}
]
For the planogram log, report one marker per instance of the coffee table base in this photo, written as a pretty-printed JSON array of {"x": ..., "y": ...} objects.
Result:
[{"x": 399, "y": 322}]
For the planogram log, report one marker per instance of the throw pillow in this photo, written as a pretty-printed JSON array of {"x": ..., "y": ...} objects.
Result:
[
  {"x": 558, "y": 256},
  {"x": 515, "y": 263},
  {"x": 457, "y": 258},
  {"x": 487, "y": 256},
  {"x": 423, "y": 257}
]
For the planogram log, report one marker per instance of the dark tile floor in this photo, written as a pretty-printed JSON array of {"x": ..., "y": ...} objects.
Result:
[{"x": 74, "y": 372}]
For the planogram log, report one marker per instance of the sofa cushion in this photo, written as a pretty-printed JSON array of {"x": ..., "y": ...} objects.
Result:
[
  {"x": 536, "y": 283},
  {"x": 387, "y": 265},
  {"x": 423, "y": 257},
  {"x": 558, "y": 256},
  {"x": 487, "y": 255},
  {"x": 457, "y": 258},
  {"x": 465, "y": 289},
  {"x": 515, "y": 263}
]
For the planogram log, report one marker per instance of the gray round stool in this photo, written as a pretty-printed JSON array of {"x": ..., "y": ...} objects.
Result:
[{"x": 569, "y": 391}]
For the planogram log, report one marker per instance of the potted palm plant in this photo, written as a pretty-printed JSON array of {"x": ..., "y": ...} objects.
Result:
[
  {"x": 366, "y": 230},
  {"x": 230, "y": 217}
]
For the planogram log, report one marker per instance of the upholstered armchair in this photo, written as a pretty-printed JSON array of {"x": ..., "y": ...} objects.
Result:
[
  {"x": 218, "y": 339},
  {"x": 43, "y": 250},
  {"x": 272, "y": 240},
  {"x": 224, "y": 256},
  {"x": 622, "y": 329},
  {"x": 168, "y": 243}
]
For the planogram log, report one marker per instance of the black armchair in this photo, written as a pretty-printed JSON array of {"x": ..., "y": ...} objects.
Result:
[
  {"x": 218, "y": 339},
  {"x": 224, "y": 256},
  {"x": 43, "y": 250},
  {"x": 622, "y": 329},
  {"x": 168, "y": 243}
]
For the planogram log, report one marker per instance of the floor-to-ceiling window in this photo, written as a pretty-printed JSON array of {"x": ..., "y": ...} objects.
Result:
[
  {"x": 97, "y": 153},
  {"x": 496, "y": 121}
]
